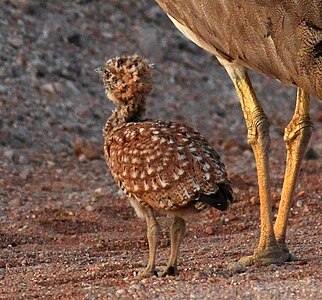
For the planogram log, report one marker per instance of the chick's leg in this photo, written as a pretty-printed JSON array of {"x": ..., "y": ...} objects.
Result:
[
  {"x": 153, "y": 232},
  {"x": 178, "y": 230},
  {"x": 296, "y": 137},
  {"x": 267, "y": 251}
]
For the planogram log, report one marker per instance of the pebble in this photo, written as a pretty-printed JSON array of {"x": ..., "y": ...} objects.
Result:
[
  {"x": 299, "y": 203},
  {"x": 137, "y": 286},
  {"x": 48, "y": 88},
  {"x": 254, "y": 200},
  {"x": 23, "y": 159},
  {"x": 82, "y": 158},
  {"x": 120, "y": 292},
  {"x": 236, "y": 267},
  {"x": 50, "y": 164},
  {"x": 3, "y": 272},
  {"x": 25, "y": 173},
  {"x": 90, "y": 208},
  {"x": 9, "y": 154},
  {"x": 209, "y": 230},
  {"x": 3, "y": 89},
  {"x": 301, "y": 194},
  {"x": 15, "y": 42}
]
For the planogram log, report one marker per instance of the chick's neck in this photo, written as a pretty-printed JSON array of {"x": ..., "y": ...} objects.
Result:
[{"x": 131, "y": 111}]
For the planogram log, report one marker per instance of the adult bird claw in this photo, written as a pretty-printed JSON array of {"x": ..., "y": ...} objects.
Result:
[
  {"x": 146, "y": 273},
  {"x": 271, "y": 256},
  {"x": 170, "y": 271}
]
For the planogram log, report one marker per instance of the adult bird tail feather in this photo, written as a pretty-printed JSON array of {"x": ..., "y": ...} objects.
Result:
[{"x": 220, "y": 200}]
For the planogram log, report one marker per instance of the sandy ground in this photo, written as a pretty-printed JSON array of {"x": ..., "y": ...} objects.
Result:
[{"x": 66, "y": 232}]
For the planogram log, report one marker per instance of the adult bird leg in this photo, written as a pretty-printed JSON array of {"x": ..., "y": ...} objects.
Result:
[
  {"x": 178, "y": 230},
  {"x": 297, "y": 136},
  {"x": 153, "y": 231},
  {"x": 268, "y": 251}
]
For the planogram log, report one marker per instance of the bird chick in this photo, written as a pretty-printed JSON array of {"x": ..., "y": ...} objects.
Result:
[{"x": 163, "y": 166}]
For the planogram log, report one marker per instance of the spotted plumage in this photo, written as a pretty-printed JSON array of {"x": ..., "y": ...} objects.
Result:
[
  {"x": 164, "y": 165},
  {"x": 159, "y": 165}
]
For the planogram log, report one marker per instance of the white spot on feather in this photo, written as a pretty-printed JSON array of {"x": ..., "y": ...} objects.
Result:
[
  {"x": 182, "y": 157},
  {"x": 207, "y": 176},
  {"x": 163, "y": 183},
  {"x": 150, "y": 170},
  {"x": 154, "y": 185},
  {"x": 146, "y": 186}
]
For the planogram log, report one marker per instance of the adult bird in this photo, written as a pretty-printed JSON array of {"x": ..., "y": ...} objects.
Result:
[{"x": 282, "y": 39}]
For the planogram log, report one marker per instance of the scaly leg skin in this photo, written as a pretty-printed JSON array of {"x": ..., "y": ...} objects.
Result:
[
  {"x": 153, "y": 231},
  {"x": 297, "y": 136},
  {"x": 178, "y": 230},
  {"x": 268, "y": 251}
]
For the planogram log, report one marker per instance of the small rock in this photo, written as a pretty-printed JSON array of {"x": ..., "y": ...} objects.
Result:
[
  {"x": 82, "y": 157},
  {"x": 23, "y": 160},
  {"x": 275, "y": 196},
  {"x": 59, "y": 148},
  {"x": 3, "y": 272},
  {"x": 50, "y": 164},
  {"x": 15, "y": 42},
  {"x": 21, "y": 135},
  {"x": 301, "y": 194},
  {"x": 40, "y": 68},
  {"x": 254, "y": 200},
  {"x": 92, "y": 150},
  {"x": 209, "y": 230},
  {"x": 225, "y": 221},
  {"x": 25, "y": 173},
  {"x": 273, "y": 267},
  {"x": 90, "y": 208},
  {"x": 138, "y": 286},
  {"x": 48, "y": 88},
  {"x": 241, "y": 226},
  {"x": 236, "y": 267},
  {"x": 59, "y": 171},
  {"x": 73, "y": 87},
  {"x": 9, "y": 154},
  {"x": 15, "y": 202},
  {"x": 299, "y": 203},
  {"x": 120, "y": 292},
  {"x": 3, "y": 89},
  {"x": 29, "y": 6}
]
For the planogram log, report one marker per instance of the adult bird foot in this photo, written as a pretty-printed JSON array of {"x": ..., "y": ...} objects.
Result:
[
  {"x": 290, "y": 256},
  {"x": 148, "y": 272},
  {"x": 273, "y": 255},
  {"x": 170, "y": 271}
]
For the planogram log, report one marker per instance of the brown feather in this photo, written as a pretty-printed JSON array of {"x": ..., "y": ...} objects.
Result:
[{"x": 281, "y": 39}]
